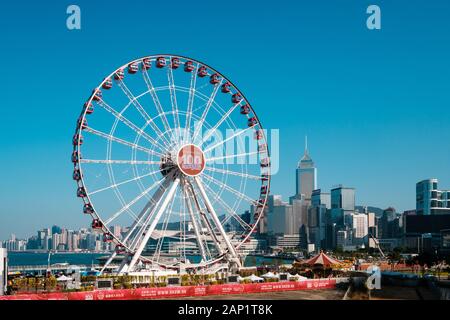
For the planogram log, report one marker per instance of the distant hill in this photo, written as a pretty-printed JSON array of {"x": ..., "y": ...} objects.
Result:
[{"x": 378, "y": 211}]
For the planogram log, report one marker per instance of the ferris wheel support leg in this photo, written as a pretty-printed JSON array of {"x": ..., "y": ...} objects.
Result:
[
  {"x": 206, "y": 222},
  {"x": 149, "y": 208},
  {"x": 194, "y": 222},
  {"x": 107, "y": 263},
  {"x": 155, "y": 221},
  {"x": 231, "y": 249}
]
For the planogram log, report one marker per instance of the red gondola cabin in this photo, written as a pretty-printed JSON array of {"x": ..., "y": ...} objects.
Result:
[
  {"x": 258, "y": 134},
  {"x": 160, "y": 62},
  {"x": 81, "y": 192},
  {"x": 82, "y": 123},
  {"x": 76, "y": 138},
  {"x": 214, "y": 79},
  {"x": 188, "y": 66},
  {"x": 97, "y": 95},
  {"x": 75, "y": 157},
  {"x": 133, "y": 68},
  {"x": 107, "y": 237},
  {"x": 88, "y": 209},
  {"x": 175, "y": 63},
  {"x": 119, "y": 75},
  {"x": 245, "y": 109},
  {"x": 252, "y": 121},
  {"x": 76, "y": 175},
  {"x": 146, "y": 64},
  {"x": 265, "y": 163},
  {"x": 120, "y": 249},
  {"x": 236, "y": 98},
  {"x": 107, "y": 84},
  {"x": 89, "y": 108},
  {"x": 226, "y": 87},
  {"x": 264, "y": 189},
  {"x": 202, "y": 72},
  {"x": 96, "y": 224}
]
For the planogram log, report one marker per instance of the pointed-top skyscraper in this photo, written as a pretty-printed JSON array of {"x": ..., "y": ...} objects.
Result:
[{"x": 306, "y": 180}]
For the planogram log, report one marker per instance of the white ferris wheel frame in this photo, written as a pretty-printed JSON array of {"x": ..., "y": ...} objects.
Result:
[{"x": 150, "y": 216}]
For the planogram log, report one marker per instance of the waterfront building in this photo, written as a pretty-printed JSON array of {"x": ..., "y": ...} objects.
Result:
[
  {"x": 306, "y": 175},
  {"x": 253, "y": 246},
  {"x": 288, "y": 241},
  {"x": 430, "y": 200}
]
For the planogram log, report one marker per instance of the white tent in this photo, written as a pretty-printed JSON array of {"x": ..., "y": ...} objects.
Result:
[
  {"x": 297, "y": 277},
  {"x": 270, "y": 275},
  {"x": 64, "y": 278},
  {"x": 254, "y": 278}
]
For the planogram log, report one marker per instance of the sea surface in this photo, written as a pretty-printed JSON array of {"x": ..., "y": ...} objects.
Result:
[
  {"x": 41, "y": 258},
  {"x": 76, "y": 258}
]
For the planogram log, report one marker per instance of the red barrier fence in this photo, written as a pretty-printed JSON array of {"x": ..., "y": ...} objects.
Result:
[{"x": 179, "y": 292}]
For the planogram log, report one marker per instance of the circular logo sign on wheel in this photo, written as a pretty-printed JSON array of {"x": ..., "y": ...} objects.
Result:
[{"x": 191, "y": 160}]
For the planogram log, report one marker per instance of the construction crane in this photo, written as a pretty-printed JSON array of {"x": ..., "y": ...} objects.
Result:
[{"x": 377, "y": 244}]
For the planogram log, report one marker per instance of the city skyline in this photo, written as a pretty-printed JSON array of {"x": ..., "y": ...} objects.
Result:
[{"x": 375, "y": 113}]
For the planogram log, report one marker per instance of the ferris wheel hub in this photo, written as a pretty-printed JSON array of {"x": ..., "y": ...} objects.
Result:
[{"x": 191, "y": 160}]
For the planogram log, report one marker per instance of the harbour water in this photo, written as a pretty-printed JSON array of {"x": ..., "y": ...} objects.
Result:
[{"x": 86, "y": 258}]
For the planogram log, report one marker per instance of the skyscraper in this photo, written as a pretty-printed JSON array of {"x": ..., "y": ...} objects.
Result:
[
  {"x": 306, "y": 180},
  {"x": 430, "y": 200},
  {"x": 342, "y": 204}
]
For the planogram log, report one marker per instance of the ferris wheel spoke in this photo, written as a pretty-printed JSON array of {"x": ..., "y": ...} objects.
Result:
[
  {"x": 132, "y": 202},
  {"x": 231, "y": 156},
  {"x": 130, "y": 124},
  {"x": 156, "y": 101},
  {"x": 152, "y": 226},
  {"x": 233, "y": 173},
  {"x": 230, "y": 189},
  {"x": 140, "y": 108},
  {"x": 173, "y": 99},
  {"x": 206, "y": 110},
  {"x": 121, "y": 141},
  {"x": 224, "y": 205},
  {"x": 190, "y": 104},
  {"x": 224, "y": 117},
  {"x": 216, "y": 220},
  {"x": 124, "y": 182},
  {"x": 221, "y": 142},
  {"x": 110, "y": 161}
]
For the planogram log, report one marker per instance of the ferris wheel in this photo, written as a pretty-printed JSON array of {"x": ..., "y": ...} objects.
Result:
[{"x": 172, "y": 164}]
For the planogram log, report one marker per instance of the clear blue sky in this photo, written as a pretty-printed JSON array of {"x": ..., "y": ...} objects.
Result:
[{"x": 374, "y": 104}]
